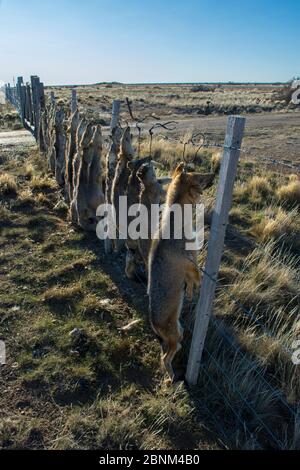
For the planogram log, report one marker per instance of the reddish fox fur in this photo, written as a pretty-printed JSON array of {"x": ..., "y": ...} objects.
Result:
[{"x": 172, "y": 268}]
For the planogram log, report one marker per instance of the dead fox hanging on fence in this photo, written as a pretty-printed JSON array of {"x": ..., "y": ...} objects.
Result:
[
  {"x": 172, "y": 268},
  {"x": 150, "y": 194},
  {"x": 70, "y": 154},
  {"x": 111, "y": 161},
  {"x": 79, "y": 205},
  {"x": 60, "y": 145},
  {"x": 133, "y": 258},
  {"x": 95, "y": 195},
  {"x": 120, "y": 180}
]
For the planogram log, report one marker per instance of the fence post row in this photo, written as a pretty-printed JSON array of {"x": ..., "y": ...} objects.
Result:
[{"x": 231, "y": 153}]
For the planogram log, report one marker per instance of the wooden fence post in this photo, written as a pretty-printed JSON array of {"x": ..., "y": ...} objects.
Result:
[
  {"x": 231, "y": 153},
  {"x": 41, "y": 124},
  {"x": 73, "y": 101},
  {"x": 52, "y": 97},
  {"x": 115, "y": 114},
  {"x": 22, "y": 99},
  {"x": 7, "y": 94},
  {"x": 18, "y": 88},
  {"x": 30, "y": 105},
  {"x": 113, "y": 123},
  {"x": 35, "y": 90}
]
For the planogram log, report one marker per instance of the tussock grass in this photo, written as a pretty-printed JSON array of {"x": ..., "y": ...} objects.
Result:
[
  {"x": 62, "y": 294},
  {"x": 290, "y": 193},
  {"x": 42, "y": 183},
  {"x": 8, "y": 185},
  {"x": 169, "y": 153},
  {"x": 281, "y": 225},
  {"x": 268, "y": 278},
  {"x": 17, "y": 433},
  {"x": 256, "y": 190},
  {"x": 29, "y": 170}
]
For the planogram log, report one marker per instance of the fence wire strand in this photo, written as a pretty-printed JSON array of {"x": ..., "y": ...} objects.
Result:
[{"x": 220, "y": 368}]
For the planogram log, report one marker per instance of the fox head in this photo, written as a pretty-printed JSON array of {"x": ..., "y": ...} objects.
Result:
[{"x": 188, "y": 186}]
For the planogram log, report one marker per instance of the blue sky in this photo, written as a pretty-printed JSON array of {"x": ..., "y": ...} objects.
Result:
[{"x": 72, "y": 41}]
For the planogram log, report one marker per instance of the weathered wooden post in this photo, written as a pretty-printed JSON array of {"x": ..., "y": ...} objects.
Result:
[
  {"x": 35, "y": 89},
  {"x": 52, "y": 98},
  {"x": 113, "y": 124},
  {"x": 22, "y": 98},
  {"x": 231, "y": 153},
  {"x": 23, "y": 102},
  {"x": 18, "y": 89},
  {"x": 115, "y": 114},
  {"x": 73, "y": 101},
  {"x": 7, "y": 92},
  {"x": 30, "y": 106},
  {"x": 41, "y": 127}
]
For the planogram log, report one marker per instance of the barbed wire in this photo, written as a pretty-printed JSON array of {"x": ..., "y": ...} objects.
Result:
[{"x": 206, "y": 145}]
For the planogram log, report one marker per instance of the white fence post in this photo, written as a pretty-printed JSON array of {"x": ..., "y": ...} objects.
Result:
[
  {"x": 113, "y": 123},
  {"x": 231, "y": 153},
  {"x": 73, "y": 101}
]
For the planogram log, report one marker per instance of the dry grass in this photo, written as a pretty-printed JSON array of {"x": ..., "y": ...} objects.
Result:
[
  {"x": 42, "y": 183},
  {"x": 281, "y": 225},
  {"x": 256, "y": 190},
  {"x": 268, "y": 281},
  {"x": 62, "y": 294},
  {"x": 8, "y": 185},
  {"x": 290, "y": 193},
  {"x": 171, "y": 100},
  {"x": 29, "y": 170}
]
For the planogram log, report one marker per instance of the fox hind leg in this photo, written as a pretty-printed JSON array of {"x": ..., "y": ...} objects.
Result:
[
  {"x": 192, "y": 278},
  {"x": 173, "y": 345}
]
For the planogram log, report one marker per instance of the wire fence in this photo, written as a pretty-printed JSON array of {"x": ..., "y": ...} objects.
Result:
[
  {"x": 198, "y": 145},
  {"x": 249, "y": 313}
]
